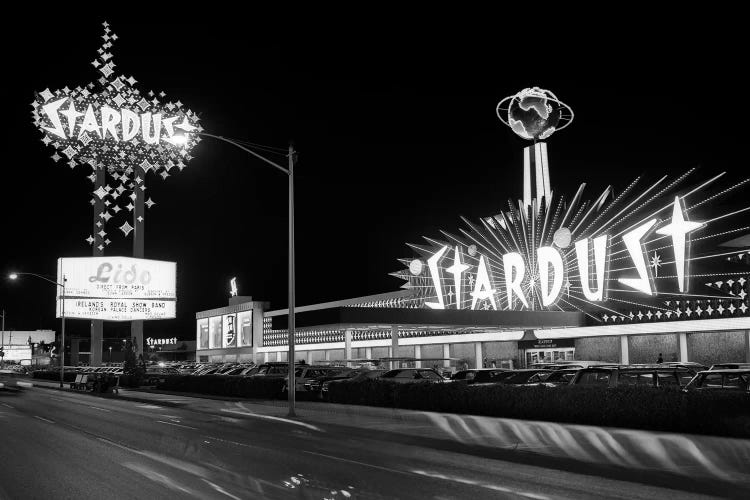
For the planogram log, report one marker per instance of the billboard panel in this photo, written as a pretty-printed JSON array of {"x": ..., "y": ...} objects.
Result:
[
  {"x": 119, "y": 309},
  {"x": 229, "y": 330},
  {"x": 245, "y": 328},
  {"x": 117, "y": 288}
]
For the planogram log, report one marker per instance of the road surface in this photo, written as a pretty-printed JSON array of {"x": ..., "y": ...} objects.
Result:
[{"x": 59, "y": 444}]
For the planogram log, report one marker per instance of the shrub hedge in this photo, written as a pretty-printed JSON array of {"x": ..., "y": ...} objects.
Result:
[
  {"x": 68, "y": 376},
  {"x": 715, "y": 413},
  {"x": 222, "y": 385}
]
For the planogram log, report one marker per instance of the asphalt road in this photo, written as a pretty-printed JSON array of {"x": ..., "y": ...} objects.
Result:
[{"x": 66, "y": 445}]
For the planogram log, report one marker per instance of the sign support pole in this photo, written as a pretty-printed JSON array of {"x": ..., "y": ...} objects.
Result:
[
  {"x": 139, "y": 223},
  {"x": 97, "y": 326}
]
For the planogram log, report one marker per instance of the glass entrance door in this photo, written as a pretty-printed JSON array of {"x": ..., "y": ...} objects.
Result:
[{"x": 549, "y": 355}]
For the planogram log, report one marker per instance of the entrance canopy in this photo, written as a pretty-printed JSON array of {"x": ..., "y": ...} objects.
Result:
[{"x": 363, "y": 318}]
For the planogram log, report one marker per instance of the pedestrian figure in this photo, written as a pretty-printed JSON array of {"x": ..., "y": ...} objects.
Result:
[
  {"x": 660, "y": 360},
  {"x": 484, "y": 363},
  {"x": 493, "y": 364}
]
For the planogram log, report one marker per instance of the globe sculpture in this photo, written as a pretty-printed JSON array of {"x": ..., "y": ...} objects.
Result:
[{"x": 534, "y": 113}]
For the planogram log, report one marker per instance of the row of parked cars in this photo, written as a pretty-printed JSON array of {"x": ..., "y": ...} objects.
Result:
[{"x": 686, "y": 376}]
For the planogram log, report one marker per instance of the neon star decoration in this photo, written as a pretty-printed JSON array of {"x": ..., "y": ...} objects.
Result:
[
  {"x": 655, "y": 264},
  {"x": 110, "y": 124},
  {"x": 678, "y": 229},
  {"x": 608, "y": 268}
]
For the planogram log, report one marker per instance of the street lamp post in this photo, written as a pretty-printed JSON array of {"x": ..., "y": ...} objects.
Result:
[
  {"x": 14, "y": 276},
  {"x": 289, "y": 171},
  {"x": 2, "y": 342}
]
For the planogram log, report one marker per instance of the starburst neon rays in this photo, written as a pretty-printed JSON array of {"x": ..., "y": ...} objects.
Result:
[{"x": 523, "y": 258}]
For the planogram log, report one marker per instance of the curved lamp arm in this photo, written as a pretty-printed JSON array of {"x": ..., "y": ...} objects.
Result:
[
  {"x": 230, "y": 141},
  {"x": 14, "y": 275}
]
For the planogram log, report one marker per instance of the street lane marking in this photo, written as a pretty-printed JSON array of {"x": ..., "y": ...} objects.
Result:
[
  {"x": 233, "y": 442},
  {"x": 45, "y": 419},
  {"x": 149, "y": 407},
  {"x": 488, "y": 486},
  {"x": 358, "y": 463},
  {"x": 221, "y": 490},
  {"x": 177, "y": 425},
  {"x": 9, "y": 406},
  {"x": 159, "y": 478},
  {"x": 269, "y": 417},
  {"x": 58, "y": 399},
  {"x": 101, "y": 409}
]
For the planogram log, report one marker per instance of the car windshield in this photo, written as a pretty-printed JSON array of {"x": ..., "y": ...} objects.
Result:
[
  {"x": 594, "y": 378},
  {"x": 560, "y": 376},
  {"x": 524, "y": 377},
  {"x": 429, "y": 374},
  {"x": 636, "y": 378},
  {"x": 492, "y": 376}
]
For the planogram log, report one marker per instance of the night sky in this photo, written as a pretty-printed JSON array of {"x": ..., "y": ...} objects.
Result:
[{"x": 396, "y": 131}]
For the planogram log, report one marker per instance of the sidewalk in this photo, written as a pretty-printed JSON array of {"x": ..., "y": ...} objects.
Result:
[{"x": 686, "y": 455}]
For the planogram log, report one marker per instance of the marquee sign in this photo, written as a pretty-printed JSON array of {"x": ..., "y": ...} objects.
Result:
[
  {"x": 652, "y": 251},
  {"x": 117, "y": 288},
  {"x": 150, "y": 341},
  {"x": 111, "y": 125}
]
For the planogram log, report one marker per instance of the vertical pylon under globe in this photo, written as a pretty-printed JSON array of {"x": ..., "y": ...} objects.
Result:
[{"x": 536, "y": 183}]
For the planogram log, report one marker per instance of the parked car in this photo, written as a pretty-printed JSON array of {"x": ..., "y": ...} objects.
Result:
[
  {"x": 366, "y": 374},
  {"x": 407, "y": 375},
  {"x": 730, "y": 366},
  {"x": 634, "y": 375},
  {"x": 527, "y": 376},
  {"x": 557, "y": 378},
  {"x": 273, "y": 369},
  {"x": 479, "y": 375},
  {"x": 314, "y": 384},
  {"x": 721, "y": 379},
  {"x": 562, "y": 365},
  {"x": 304, "y": 373},
  {"x": 690, "y": 365}
]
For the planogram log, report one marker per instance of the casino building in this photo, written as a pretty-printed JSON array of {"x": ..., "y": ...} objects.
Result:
[{"x": 663, "y": 267}]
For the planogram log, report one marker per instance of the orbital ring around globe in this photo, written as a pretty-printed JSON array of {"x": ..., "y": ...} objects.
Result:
[{"x": 566, "y": 117}]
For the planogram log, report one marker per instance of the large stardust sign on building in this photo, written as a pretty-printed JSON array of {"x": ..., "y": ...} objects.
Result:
[
  {"x": 657, "y": 251},
  {"x": 117, "y": 288}
]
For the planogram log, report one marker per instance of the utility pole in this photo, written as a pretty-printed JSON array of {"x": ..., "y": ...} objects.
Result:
[
  {"x": 292, "y": 385},
  {"x": 2, "y": 343}
]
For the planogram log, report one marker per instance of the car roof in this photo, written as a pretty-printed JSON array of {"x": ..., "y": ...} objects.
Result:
[{"x": 727, "y": 370}]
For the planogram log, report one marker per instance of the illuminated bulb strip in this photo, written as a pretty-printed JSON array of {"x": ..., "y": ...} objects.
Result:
[
  {"x": 632, "y": 211},
  {"x": 613, "y": 203},
  {"x": 639, "y": 304},
  {"x": 703, "y": 257},
  {"x": 581, "y": 310},
  {"x": 578, "y": 214},
  {"x": 665, "y": 207},
  {"x": 543, "y": 232},
  {"x": 708, "y": 275},
  {"x": 594, "y": 206},
  {"x": 595, "y": 304},
  {"x": 493, "y": 233},
  {"x": 741, "y": 183},
  {"x": 688, "y": 295}
]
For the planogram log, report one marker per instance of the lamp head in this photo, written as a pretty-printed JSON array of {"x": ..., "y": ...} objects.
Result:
[
  {"x": 13, "y": 276},
  {"x": 180, "y": 138}
]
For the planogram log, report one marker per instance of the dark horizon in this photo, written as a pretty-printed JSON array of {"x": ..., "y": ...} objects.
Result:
[{"x": 397, "y": 138}]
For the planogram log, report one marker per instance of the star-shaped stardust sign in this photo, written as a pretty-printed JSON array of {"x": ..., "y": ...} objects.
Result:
[{"x": 109, "y": 124}]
